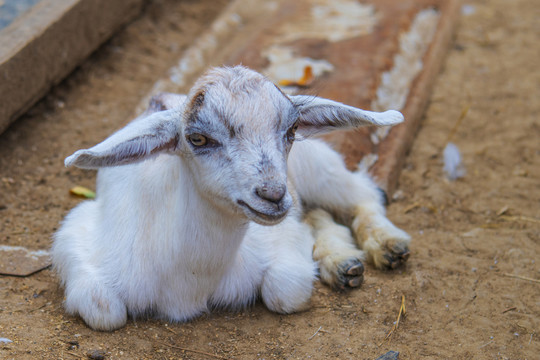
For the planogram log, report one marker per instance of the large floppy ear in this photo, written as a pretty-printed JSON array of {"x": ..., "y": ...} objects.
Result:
[
  {"x": 318, "y": 115},
  {"x": 140, "y": 139}
]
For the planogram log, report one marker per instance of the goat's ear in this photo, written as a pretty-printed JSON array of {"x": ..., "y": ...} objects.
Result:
[
  {"x": 165, "y": 101},
  {"x": 140, "y": 139},
  {"x": 318, "y": 115}
]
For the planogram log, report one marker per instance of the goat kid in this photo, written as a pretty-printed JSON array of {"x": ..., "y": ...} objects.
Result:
[{"x": 200, "y": 202}]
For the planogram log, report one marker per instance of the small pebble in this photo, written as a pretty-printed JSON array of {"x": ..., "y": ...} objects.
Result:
[
  {"x": 391, "y": 355},
  {"x": 96, "y": 354},
  {"x": 5, "y": 340}
]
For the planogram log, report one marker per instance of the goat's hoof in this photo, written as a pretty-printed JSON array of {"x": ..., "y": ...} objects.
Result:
[
  {"x": 387, "y": 247},
  {"x": 396, "y": 257},
  {"x": 350, "y": 274}
]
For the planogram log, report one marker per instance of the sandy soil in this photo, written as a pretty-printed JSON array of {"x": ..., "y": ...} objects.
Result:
[{"x": 469, "y": 235}]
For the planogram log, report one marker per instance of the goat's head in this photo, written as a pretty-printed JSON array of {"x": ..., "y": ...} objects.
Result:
[{"x": 235, "y": 130}]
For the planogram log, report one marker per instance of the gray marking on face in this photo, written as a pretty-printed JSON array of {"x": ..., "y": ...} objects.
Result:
[
  {"x": 264, "y": 163},
  {"x": 235, "y": 130}
]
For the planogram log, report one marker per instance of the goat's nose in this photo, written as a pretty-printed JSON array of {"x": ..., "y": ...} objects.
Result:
[{"x": 271, "y": 192}]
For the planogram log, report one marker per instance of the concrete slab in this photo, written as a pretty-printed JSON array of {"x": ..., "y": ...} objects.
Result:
[
  {"x": 375, "y": 54},
  {"x": 42, "y": 41},
  {"x": 12, "y": 9},
  {"x": 19, "y": 261}
]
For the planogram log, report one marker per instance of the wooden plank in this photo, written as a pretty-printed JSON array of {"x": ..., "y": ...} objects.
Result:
[
  {"x": 392, "y": 153},
  {"x": 44, "y": 44}
]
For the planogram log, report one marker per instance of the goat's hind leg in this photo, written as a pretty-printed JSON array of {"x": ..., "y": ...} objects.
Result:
[
  {"x": 386, "y": 245},
  {"x": 340, "y": 261},
  {"x": 323, "y": 181}
]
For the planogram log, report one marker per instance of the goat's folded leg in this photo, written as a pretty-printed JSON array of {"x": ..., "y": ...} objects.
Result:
[
  {"x": 385, "y": 245},
  {"x": 99, "y": 306},
  {"x": 340, "y": 261},
  {"x": 87, "y": 292},
  {"x": 288, "y": 281},
  {"x": 323, "y": 181}
]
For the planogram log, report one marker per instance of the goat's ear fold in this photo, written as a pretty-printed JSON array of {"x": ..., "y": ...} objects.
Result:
[
  {"x": 140, "y": 139},
  {"x": 318, "y": 115}
]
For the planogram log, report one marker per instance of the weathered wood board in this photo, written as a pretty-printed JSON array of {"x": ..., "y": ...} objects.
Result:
[{"x": 43, "y": 41}]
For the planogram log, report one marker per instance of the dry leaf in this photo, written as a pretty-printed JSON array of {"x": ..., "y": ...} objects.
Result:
[
  {"x": 82, "y": 192},
  {"x": 304, "y": 81}
]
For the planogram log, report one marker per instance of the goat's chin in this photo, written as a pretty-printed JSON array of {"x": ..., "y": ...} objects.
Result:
[{"x": 264, "y": 218}]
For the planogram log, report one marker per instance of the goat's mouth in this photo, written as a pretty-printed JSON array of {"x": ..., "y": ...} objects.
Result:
[{"x": 264, "y": 218}]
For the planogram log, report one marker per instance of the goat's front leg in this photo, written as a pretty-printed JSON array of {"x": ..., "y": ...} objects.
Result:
[
  {"x": 274, "y": 262},
  {"x": 288, "y": 281},
  {"x": 88, "y": 290},
  {"x": 323, "y": 181}
]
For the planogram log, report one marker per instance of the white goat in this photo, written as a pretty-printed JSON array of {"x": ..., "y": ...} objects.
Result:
[{"x": 200, "y": 205}]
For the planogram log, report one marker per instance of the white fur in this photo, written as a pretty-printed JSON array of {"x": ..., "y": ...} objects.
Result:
[{"x": 178, "y": 229}]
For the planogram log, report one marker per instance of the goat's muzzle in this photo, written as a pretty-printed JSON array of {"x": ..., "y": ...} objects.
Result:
[{"x": 267, "y": 211}]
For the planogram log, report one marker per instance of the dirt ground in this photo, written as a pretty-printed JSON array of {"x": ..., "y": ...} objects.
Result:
[{"x": 469, "y": 235}]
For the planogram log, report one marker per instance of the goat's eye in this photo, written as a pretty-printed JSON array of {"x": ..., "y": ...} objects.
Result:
[{"x": 198, "y": 139}]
